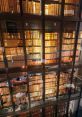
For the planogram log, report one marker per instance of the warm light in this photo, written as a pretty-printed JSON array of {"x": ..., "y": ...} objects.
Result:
[
  {"x": 12, "y": 11},
  {"x": 23, "y": 66},
  {"x": 26, "y": 24}
]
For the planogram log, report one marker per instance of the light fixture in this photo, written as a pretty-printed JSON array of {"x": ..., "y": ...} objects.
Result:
[
  {"x": 12, "y": 11},
  {"x": 23, "y": 66},
  {"x": 12, "y": 61},
  {"x": 26, "y": 23}
]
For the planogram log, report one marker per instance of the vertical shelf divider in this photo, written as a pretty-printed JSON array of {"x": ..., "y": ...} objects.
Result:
[
  {"x": 74, "y": 56},
  {"x": 43, "y": 52},
  {"x": 60, "y": 49},
  {"x": 25, "y": 54}
]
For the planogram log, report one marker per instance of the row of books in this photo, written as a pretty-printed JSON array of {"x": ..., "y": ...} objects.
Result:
[
  {"x": 50, "y": 84},
  {"x": 52, "y": 9},
  {"x": 31, "y": 42},
  {"x": 14, "y": 51},
  {"x": 34, "y": 48},
  {"x": 70, "y": 10},
  {"x": 10, "y": 36},
  {"x": 35, "y": 7},
  {"x": 51, "y": 36},
  {"x": 32, "y": 34},
  {"x": 9, "y": 6},
  {"x": 35, "y": 88},
  {"x": 36, "y": 35},
  {"x": 68, "y": 41},
  {"x": 35, "y": 62},
  {"x": 38, "y": 56},
  {"x": 69, "y": 53},
  {"x": 12, "y": 43},
  {"x": 51, "y": 43},
  {"x": 67, "y": 59},
  {"x": 32, "y": 7},
  {"x": 68, "y": 47},
  {"x": 72, "y": 1},
  {"x": 70, "y": 59},
  {"x": 69, "y": 34}
]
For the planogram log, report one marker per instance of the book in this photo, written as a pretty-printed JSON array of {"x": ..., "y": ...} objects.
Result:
[
  {"x": 9, "y": 6},
  {"x": 52, "y": 9},
  {"x": 12, "y": 6},
  {"x": 69, "y": 10},
  {"x": 4, "y": 6}
]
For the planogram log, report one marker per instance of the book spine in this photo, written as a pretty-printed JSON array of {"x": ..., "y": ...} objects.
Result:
[{"x": 18, "y": 7}]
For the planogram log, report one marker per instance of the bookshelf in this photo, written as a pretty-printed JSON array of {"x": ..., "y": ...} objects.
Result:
[
  {"x": 51, "y": 47},
  {"x": 43, "y": 51},
  {"x": 35, "y": 86},
  {"x": 33, "y": 47},
  {"x": 14, "y": 48},
  {"x": 67, "y": 47},
  {"x": 19, "y": 88},
  {"x": 34, "y": 7}
]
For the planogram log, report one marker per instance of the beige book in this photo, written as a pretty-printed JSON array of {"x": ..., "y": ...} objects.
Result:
[
  {"x": 46, "y": 9},
  {"x": 18, "y": 6},
  {"x": 30, "y": 7},
  {"x": 37, "y": 5}
]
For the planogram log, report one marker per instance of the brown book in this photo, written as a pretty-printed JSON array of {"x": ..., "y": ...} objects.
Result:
[
  {"x": 24, "y": 6},
  {"x": 37, "y": 8},
  {"x": 13, "y": 6},
  {"x": 5, "y": 6},
  {"x": 56, "y": 9},
  {"x": 30, "y": 7}
]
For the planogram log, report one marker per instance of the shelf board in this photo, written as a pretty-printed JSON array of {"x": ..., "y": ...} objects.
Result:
[{"x": 31, "y": 17}]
